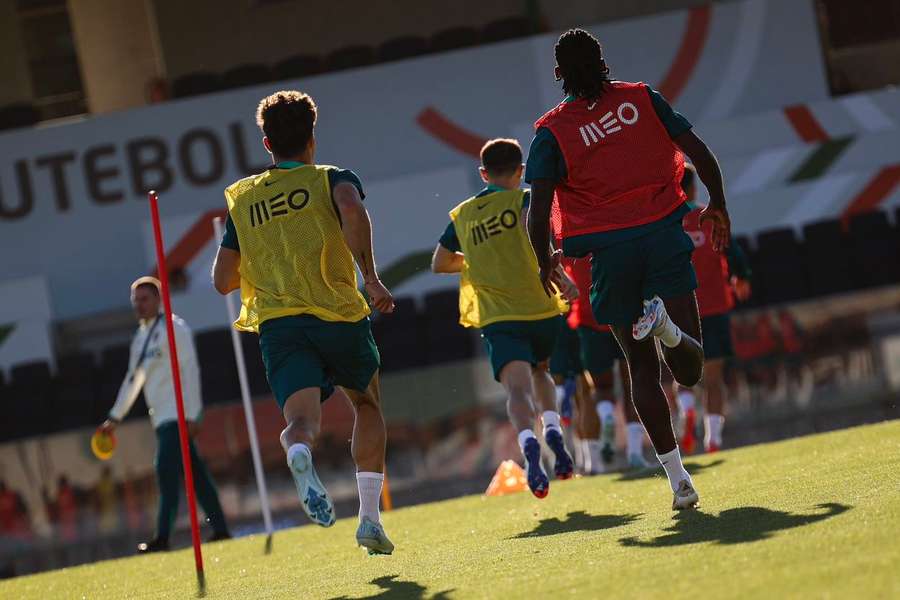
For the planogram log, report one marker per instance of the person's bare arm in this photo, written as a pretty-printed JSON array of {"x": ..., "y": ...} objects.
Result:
[
  {"x": 226, "y": 270},
  {"x": 539, "y": 231},
  {"x": 711, "y": 175},
  {"x": 357, "y": 228},
  {"x": 446, "y": 261}
]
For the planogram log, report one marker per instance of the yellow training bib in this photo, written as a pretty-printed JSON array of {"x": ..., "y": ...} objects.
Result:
[
  {"x": 294, "y": 259},
  {"x": 500, "y": 279}
]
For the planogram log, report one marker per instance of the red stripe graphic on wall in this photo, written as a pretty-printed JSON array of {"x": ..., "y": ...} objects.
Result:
[
  {"x": 688, "y": 55},
  {"x": 805, "y": 124},
  {"x": 461, "y": 140},
  {"x": 192, "y": 242},
  {"x": 871, "y": 196}
]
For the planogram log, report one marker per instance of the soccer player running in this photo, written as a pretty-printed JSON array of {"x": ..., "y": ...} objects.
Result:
[
  {"x": 611, "y": 154},
  {"x": 722, "y": 279},
  {"x": 291, "y": 238},
  {"x": 599, "y": 354},
  {"x": 499, "y": 292},
  {"x": 148, "y": 369}
]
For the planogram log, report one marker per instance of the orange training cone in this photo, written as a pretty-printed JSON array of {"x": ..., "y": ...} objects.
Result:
[{"x": 509, "y": 479}]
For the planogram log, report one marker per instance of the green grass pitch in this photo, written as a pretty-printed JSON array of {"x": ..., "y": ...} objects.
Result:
[{"x": 812, "y": 517}]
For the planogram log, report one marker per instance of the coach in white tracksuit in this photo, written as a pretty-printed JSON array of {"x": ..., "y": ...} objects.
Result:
[{"x": 149, "y": 369}]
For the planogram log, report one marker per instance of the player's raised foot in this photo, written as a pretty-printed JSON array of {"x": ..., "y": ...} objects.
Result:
[
  {"x": 689, "y": 439},
  {"x": 154, "y": 545},
  {"x": 712, "y": 447},
  {"x": 537, "y": 478},
  {"x": 685, "y": 496},
  {"x": 637, "y": 462},
  {"x": 314, "y": 498},
  {"x": 370, "y": 535},
  {"x": 653, "y": 322},
  {"x": 564, "y": 467}
]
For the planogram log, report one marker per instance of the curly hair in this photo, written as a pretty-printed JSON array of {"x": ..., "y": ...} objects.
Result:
[
  {"x": 287, "y": 118},
  {"x": 581, "y": 65}
]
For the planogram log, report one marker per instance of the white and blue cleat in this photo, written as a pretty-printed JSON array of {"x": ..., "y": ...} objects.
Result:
[
  {"x": 652, "y": 322},
  {"x": 316, "y": 502},
  {"x": 370, "y": 535}
]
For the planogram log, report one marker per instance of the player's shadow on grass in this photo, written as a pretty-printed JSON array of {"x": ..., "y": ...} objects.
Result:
[
  {"x": 692, "y": 468},
  {"x": 733, "y": 526},
  {"x": 394, "y": 589},
  {"x": 576, "y": 521}
]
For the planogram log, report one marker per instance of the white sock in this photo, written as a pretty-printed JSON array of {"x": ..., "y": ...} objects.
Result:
[
  {"x": 671, "y": 462},
  {"x": 593, "y": 448},
  {"x": 714, "y": 425},
  {"x": 671, "y": 334},
  {"x": 524, "y": 436},
  {"x": 635, "y": 438},
  {"x": 560, "y": 394},
  {"x": 550, "y": 418},
  {"x": 686, "y": 400},
  {"x": 369, "y": 485},
  {"x": 294, "y": 449},
  {"x": 578, "y": 453},
  {"x": 605, "y": 410}
]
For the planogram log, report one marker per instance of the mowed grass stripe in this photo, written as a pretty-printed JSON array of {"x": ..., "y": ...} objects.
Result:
[{"x": 811, "y": 517}]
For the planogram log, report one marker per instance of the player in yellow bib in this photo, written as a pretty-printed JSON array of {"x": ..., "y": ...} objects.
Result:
[
  {"x": 487, "y": 245},
  {"x": 291, "y": 239}
]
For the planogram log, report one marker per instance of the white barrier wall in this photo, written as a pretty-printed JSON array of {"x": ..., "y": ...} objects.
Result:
[{"x": 72, "y": 197}]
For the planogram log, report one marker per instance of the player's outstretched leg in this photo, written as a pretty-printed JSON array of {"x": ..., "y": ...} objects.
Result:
[
  {"x": 303, "y": 413},
  {"x": 650, "y": 402},
  {"x": 516, "y": 379},
  {"x": 604, "y": 390},
  {"x": 714, "y": 390},
  {"x": 676, "y": 323},
  {"x": 545, "y": 395},
  {"x": 368, "y": 449}
]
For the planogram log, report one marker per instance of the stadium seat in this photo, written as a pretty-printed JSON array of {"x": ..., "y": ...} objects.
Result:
[
  {"x": 446, "y": 340},
  {"x": 13, "y": 116},
  {"x": 32, "y": 392},
  {"x": 350, "y": 57},
  {"x": 299, "y": 65},
  {"x": 31, "y": 372},
  {"x": 196, "y": 84},
  {"x": 218, "y": 372},
  {"x": 113, "y": 368},
  {"x": 400, "y": 337},
  {"x": 781, "y": 270},
  {"x": 506, "y": 29},
  {"x": 453, "y": 38},
  {"x": 873, "y": 250},
  {"x": 402, "y": 47},
  {"x": 76, "y": 389},
  {"x": 826, "y": 257},
  {"x": 245, "y": 75}
]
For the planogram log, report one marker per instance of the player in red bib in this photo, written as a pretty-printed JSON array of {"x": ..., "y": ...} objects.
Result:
[
  {"x": 722, "y": 279},
  {"x": 612, "y": 155}
]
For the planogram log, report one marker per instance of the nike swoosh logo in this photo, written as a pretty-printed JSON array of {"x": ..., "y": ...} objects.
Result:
[
  {"x": 482, "y": 206},
  {"x": 268, "y": 183}
]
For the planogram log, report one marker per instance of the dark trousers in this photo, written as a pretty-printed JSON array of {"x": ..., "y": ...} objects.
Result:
[{"x": 170, "y": 477}]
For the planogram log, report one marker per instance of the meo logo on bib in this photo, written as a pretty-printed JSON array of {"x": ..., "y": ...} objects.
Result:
[
  {"x": 482, "y": 231},
  {"x": 277, "y": 206},
  {"x": 595, "y": 131}
]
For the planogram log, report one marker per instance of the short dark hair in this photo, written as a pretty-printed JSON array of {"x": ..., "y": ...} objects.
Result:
[
  {"x": 287, "y": 118},
  {"x": 687, "y": 180},
  {"x": 501, "y": 156},
  {"x": 151, "y": 283},
  {"x": 582, "y": 67}
]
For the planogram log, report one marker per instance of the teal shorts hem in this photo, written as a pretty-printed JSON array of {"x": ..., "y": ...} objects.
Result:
[
  {"x": 599, "y": 350},
  {"x": 528, "y": 341}
]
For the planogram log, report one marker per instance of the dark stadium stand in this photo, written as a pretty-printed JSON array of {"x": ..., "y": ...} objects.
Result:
[
  {"x": 445, "y": 338},
  {"x": 75, "y": 389},
  {"x": 299, "y": 65},
  {"x": 826, "y": 260},
  {"x": 455, "y": 37},
  {"x": 350, "y": 57},
  {"x": 874, "y": 251},
  {"x": 400, "y": 337},
  {"x": 18, "y": 115},
  {"x": 245, "y": 75},
  {"x": 196, "y": 84},
  {"x": 507, "y": 29},
  {"x": 403, "y": 47},
  {"x": 779, "y": 267},
  {"x": 218, "y": 371}
]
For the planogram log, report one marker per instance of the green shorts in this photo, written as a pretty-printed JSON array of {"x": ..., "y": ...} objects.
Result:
[
  {"x": 303, "y": 351},
  {"x": 530, "y": 341},
  {"x": 599, "y": 349},
  {"x": 627, "y": 273},
  {"x": 566, "y": 358},
  {"x": 716, "y": 331}
]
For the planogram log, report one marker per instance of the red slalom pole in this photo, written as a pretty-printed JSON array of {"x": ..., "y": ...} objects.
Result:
[{"x": 176, "y": 381}]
